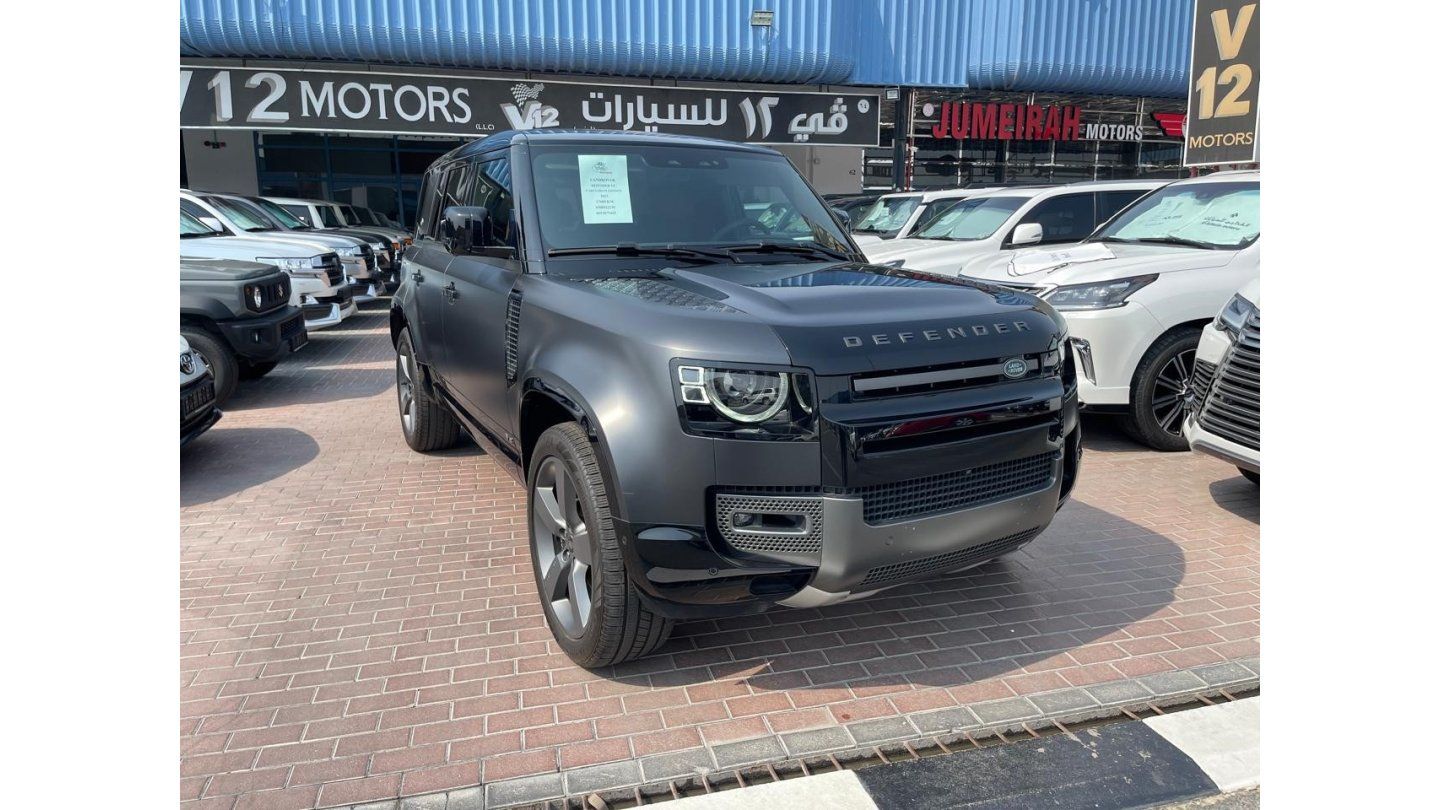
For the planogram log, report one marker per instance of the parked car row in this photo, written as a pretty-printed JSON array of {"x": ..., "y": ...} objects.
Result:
[{"x": 1138, "y": 267}]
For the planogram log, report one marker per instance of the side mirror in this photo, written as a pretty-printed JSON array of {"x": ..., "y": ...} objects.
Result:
[
  {"x": 213, "y": 224},
  {"x": 844, "y": 216},
  {"x": 1027, "y": 233},
  {"x": 469, "y": 230}
]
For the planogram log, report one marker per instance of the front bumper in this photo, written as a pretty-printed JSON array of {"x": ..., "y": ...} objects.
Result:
[
  {"x": 197, "y": 408},
  {"x": 364, "y": 291},
  {"x": 326, "y": 311},
  {"x": 266, "y": 337},
  {"x": 898, "y": 514},
  {"x": 1117, "y": 339},
  {"x": 1203, "y": 441}
]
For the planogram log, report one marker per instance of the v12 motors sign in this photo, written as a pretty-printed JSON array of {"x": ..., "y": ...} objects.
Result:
[
  {"x": 406, "y": 104},
  {"x": 1224, "y": 111}
]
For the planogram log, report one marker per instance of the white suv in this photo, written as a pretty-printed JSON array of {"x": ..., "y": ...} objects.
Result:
[
  {"x": 896, "y": 216},
  {"x": 1225, "y": 422},
  {"x": 998, "y": 222},
  {"x": 1137, "y": 292}
]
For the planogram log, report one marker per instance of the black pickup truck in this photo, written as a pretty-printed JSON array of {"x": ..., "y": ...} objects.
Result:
[
  {"x": 237, "y": 316},
  {"x": 714, "y": 412}
]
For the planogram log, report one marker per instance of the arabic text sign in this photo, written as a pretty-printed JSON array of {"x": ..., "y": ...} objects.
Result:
[
  {"x": 1224, "y": 111},
  {"x": 338, "y": 101}
]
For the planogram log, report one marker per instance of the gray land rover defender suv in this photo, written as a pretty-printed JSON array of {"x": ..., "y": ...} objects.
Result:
[{"x": 715, "y": 405}]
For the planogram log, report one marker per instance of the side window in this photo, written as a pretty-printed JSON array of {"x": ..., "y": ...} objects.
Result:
[
  {"x": 932, "y": 212},
  {"x": 427, "y": 204},
  {"x": 1109, "y": 203},
  {"x": 451, "y": 192},
  {"x": 198, "y": 211},
  {"x": 1066, "y": 218},
  {"x": 302, "y": 212},
  {"x": 490, "y": 189}
]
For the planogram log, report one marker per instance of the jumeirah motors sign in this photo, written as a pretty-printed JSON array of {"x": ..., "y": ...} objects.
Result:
[
  {"x": 1224, "y": 112},
  {"x": 1022, "y": 122},
  {"x": 411, "y": 104}
]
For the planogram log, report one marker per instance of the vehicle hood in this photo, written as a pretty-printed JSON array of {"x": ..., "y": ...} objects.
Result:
[
  {"x": 326, "y": 241},
  {"x": 842, "y": 318},
  {"x": 1251, "y": 291},
  {"x": 1094, "y": 261},
  {"x": 197, "y": 269},
  {"x": 245, "y": 247},
  {"x": 928, "y": 255}
]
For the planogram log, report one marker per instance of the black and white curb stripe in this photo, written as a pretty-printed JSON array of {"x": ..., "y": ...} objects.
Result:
[{"x": 1183, "y": 755}]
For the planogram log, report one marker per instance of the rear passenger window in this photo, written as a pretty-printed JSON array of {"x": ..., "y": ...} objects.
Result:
[
  {"x": 1109, "y": 203},
  {"x": 1067, "y": 218},
  {"x": 302, "y": 212}
]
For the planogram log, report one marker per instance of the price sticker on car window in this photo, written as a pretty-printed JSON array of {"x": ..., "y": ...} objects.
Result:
[{"x": 604, "y": 189}]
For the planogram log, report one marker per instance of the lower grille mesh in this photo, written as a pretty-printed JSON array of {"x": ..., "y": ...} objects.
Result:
[
  {"x": 774, "y": 543},
  {"x": 950, "y": 492},
  {"x": 941, "y": 563}
]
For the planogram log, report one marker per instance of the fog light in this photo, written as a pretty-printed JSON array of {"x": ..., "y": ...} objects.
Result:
[{"x": 742, "y": 519}]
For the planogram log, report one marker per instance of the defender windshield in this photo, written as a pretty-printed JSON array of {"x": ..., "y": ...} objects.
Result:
[
  {"x": 887, "y": 215},
  {"x": 244, "y": 218},
  {"x": 1215, "y": 216},
  {"x": 968, "y": 220},
  {"x": 626, "y": 195}
]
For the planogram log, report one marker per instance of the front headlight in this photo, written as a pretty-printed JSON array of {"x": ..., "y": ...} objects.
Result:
[
  {"x": 291, "y": 264},
  {"x": 1232, "y": 318},
  {"x": 350, "y": 251},
  {"x": 746, "y": 403},
  {"x": 1098, "y": 295}
]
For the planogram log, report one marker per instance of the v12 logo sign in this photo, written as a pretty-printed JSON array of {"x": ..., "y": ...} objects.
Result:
[{"x": 1223, "y": 113}]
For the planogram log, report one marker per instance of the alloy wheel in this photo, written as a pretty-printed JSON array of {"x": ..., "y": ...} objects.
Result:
[
  {"x": 405, "y": 388},
  {"x": 1174, "y": 397},
  {"x": 563, "y": 547}
]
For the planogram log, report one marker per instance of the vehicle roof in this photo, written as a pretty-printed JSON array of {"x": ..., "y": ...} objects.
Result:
[
  {"x": 300, "y": 201},
  {"x": 1234, "y": 176},
  {"x": 503, "y": 139},
  {"x": 1083, "y": 185}
]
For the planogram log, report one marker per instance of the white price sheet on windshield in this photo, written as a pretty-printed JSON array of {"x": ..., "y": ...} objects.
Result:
[{"x": 604, "y": 189}]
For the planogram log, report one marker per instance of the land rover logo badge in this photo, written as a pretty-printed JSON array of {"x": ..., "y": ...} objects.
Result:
[{"x": 1015, "y": 368}]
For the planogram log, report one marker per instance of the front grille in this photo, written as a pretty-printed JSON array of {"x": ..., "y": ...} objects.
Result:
[
  {"x": 1200, "y": 380},
  {"x": 942, "y": 563},
  {"x": 368, "y": 254},
  {"x": 1232, "y": 406},
  {"x": 293, "y": 327},
  {"x": 951, "y": 492},
  {"x": 196, "y": 396},
  {"x": 798, "y": 542},
  {"x": 969, "y": 374},
  {"x": 272, "y": 294},
  {"x": 333, "y": 273}
]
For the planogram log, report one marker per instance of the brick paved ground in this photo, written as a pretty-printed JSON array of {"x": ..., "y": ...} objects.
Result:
[{"x": 359, "y": 621}]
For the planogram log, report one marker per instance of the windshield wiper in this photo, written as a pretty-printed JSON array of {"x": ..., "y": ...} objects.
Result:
[
  {"x": 1161, "y": 240},
  {"x": 781, "y": 247},
  {"x": 627, "y": 249}
]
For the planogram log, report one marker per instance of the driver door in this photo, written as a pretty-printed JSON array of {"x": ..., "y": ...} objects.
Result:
[{"x": 477, "y": 298}]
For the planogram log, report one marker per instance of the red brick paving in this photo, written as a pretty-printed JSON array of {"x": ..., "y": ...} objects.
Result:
[{"x": 359, "y": 621}]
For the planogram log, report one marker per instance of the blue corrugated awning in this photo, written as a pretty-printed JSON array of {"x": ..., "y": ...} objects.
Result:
[{"x": 1120, "y": 47}]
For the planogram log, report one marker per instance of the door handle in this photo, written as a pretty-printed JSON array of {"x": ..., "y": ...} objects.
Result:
[
  {"x": 450, "y": 292},
  {"x": 415, "y": 274}
]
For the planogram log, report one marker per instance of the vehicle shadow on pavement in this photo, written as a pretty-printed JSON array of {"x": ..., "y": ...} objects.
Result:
[
  {"x": 1237, "y": 496},
  {"x": 314, "y": 387},
  {"x": 226, "y": 461},
  {"x": 1076, "y": 588}
]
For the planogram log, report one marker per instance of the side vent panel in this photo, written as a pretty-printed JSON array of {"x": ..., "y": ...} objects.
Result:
[{"x": 512, "y": 336}]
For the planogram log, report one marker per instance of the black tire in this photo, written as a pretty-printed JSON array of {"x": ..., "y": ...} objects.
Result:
[
  {"x": 617, "y": 626},
  {"x": 428, "y": 425},
  {"x": 1160, "y": 395},
  {"x": 223, "y": 364},
  {"x": 254, "y": 371},
  {"x": 1252, "y": 477}
]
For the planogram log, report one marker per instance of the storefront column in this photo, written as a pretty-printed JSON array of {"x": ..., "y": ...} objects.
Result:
[{"x": 900, "y": 162}]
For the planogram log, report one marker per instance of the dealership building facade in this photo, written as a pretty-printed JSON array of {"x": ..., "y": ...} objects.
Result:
[{"x": 352, "y": 100}]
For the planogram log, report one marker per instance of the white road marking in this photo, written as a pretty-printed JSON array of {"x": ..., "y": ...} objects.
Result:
[{"x": 1224, "y": 740}]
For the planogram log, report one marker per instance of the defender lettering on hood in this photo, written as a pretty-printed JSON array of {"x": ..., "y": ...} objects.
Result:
[{"x": 949, "y": 333}]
